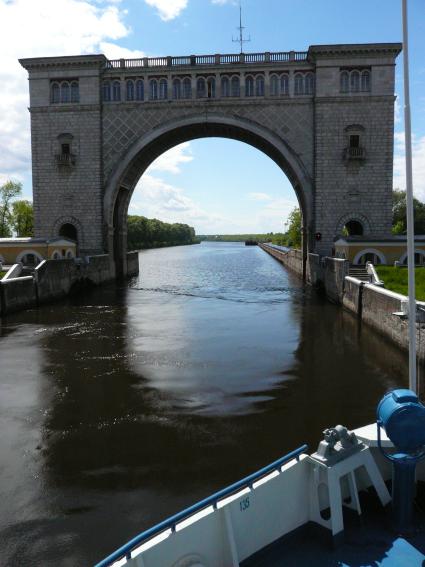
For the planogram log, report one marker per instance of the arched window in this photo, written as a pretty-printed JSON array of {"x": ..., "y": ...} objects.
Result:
[
  {"x": 344, "y": 82},
  {"x": 68, "y": 230},
  {"x": 309, "y": 83},
  {"x": 153, "y": 92},
  {"x": 130, "y": 90},
  {"x": 259, "y": 85},
  {"x": 163, "y": 89},
  {"x": 55, "y": 93},
  {"x": 299, "y": 84},
  {"x": 65, "y": 94},
  {"x": 187, "y": 88},
  {"x": 419, "y": 258},
  {"x": 211, "y": 87},
  {"x": 354, "y": 81},
  {"x": 353, "y": 228},
  {"x": 140, "y": 89},
  {"x": 106, "y": 91},
  {"x": 69, "y": 254},
  {"x": 369, "y": 257},
  {"x": 284, "y": 84},
  {"x": 56, "y": 255},
  {"x": 75, "y": 93},
  {"x": 274, "y": 85},
  {"x": 177, "y": 91},
  {"x": 249, "y": 86},
  {"x": 225, "y": 87},
  {"x": 236, "y": 87},
  {"x": 365, "y": 81},
  {"x": 29, "y": 260},
  {"x": 200, "y": 88},
  {"x": 116, "y": 91}
]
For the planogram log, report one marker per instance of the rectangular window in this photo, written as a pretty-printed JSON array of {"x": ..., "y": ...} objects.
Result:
[
  {"x": 66, "y": 150},
  {"x": 354, "y": 141}
]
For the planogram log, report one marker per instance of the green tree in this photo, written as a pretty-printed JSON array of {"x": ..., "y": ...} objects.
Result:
[
  {"x": 8, "y": 191},
  {"x": 399, "y": 213},
  {"x": 151, "y": 233},
  {"x": 23, "y": 218},
  {"x": 293, "y": 231}
]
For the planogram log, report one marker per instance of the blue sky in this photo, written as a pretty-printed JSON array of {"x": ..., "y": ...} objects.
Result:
[{"x": 215, "y": 185}]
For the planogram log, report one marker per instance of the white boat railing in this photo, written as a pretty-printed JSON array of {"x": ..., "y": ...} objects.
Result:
[{"x": 170, "y": 524}]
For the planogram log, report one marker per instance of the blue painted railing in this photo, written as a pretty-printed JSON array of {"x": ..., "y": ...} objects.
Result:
[{"x": 170, "y": 523}]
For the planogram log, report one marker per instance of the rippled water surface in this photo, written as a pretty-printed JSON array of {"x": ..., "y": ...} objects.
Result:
[{"x": 121, "y": 406}]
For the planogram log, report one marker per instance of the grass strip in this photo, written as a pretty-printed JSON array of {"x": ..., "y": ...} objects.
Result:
[{"x": 395, "y": 279}]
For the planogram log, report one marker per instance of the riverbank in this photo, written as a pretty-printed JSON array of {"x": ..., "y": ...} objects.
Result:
[
  {"x": 158, "y": 245},
  {"x": 379, "y": 308},
  {"x": 52, "y": 280}
]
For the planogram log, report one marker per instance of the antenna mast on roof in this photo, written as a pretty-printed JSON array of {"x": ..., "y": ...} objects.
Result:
[{"x": 241, "y": 40}]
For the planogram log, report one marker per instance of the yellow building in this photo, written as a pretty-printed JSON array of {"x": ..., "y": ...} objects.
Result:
[
  {"x": 359, "y": 250},
  {"x": 32, "y": 251}
]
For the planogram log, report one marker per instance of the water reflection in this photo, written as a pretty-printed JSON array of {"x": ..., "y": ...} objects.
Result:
[
  {"x": 127, "y": 404},
  {"x": 226, "y": 334}
]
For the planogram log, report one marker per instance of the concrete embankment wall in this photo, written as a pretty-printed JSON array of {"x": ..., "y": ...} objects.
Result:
[
  {"x": 327, "y": 273},
  {"x": 292, "y": 259},
  {"x": 377, "y": 306},
  {"x": 55, "y": 279},
  {"x": 372, "y": 304}
]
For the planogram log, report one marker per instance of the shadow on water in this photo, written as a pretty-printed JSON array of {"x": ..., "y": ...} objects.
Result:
[{"x": 136, "y": 401}]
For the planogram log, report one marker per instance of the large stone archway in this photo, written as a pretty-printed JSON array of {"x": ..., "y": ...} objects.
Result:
[
  {"x": 325, "y": 116},
  {"x": 143, "y": 152}
]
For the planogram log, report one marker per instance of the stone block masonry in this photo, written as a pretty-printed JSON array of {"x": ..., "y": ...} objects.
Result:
[{"x": 325, "y": 116}]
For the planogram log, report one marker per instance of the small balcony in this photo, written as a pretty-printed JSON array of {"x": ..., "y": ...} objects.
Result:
[
  {"x": 65, "y": 160},
  {"x": 353, "y": 153}
]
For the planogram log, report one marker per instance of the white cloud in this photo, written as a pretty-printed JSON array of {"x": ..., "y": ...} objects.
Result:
[
  {"x": 418, "y": 160},
  {"x": 171, "y": 160},
  {"x": 114, "y": 51},
  {"x": 397, "y": 110},
  {"x": 259, "y": 197},
  {"x": 154, "y": 198},
  {"x": 32, "y": 28},
  {"x": 168, "y": 9}
]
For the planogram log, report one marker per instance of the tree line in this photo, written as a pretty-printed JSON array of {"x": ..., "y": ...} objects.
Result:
[
  {"x": 153, "y": 233},
  {"x": 16, "y": 217},
  {"x": 291, "y": 237}
]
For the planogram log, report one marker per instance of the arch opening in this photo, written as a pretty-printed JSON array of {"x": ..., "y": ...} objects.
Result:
[
  {"x": 68, "y": 230},
  {"x": 353, "y": 228},
  {"x": 125, "y": 177}
]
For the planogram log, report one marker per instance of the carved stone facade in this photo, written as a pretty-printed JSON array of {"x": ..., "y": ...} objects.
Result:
[{"x": 325, "y": 116}]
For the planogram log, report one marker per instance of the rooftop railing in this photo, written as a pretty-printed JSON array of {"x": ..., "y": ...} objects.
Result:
[
  {"x": 124, "y": 552},
  {"x": 206, "y": 60}
]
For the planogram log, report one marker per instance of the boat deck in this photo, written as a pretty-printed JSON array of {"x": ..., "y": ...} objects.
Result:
[{"x": 369, "y": 541}]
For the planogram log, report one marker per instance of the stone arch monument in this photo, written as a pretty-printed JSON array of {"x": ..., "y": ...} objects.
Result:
[{"x": 325, "y": 116}]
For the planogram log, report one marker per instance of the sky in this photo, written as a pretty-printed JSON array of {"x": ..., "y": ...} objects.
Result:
[{"x": 215, "y": 185}]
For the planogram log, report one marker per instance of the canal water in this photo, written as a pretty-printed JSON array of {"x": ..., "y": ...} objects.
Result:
[{"x": 124, "y": 405}]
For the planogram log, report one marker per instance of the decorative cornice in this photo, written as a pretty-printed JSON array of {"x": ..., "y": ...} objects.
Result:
[
  {"x": 354, "y": 50},
  {"x": 70, "y": 61}
]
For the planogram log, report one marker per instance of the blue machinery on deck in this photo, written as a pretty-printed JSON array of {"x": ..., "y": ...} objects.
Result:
[
  {"x": 403, "y": 417},
  {"x": 213, "y": 500}
]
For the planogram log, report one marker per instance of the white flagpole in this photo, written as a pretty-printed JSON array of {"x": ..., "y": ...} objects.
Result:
[{"x": 409, "y": 207}]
